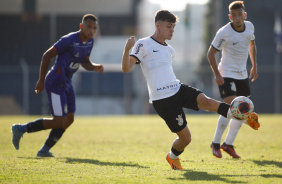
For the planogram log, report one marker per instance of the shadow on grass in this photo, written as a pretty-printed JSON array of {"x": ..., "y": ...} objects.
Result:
[
  {"x": 90, "y": 161},
  {"x": 268, "y": 162},
  {"x": 204, "y": 176},
  {"x": 102, "y": 163}
]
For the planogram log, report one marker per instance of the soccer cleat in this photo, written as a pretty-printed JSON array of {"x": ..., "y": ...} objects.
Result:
[
  {"x": 17, "y": 135},
  {"x": 44, "y": 154},
  {"x": 253, "y": 121},
  {"x": 174, "y": 163},
  {"x": 216, "y": 150},
  {"x": 230, "y": 150}
]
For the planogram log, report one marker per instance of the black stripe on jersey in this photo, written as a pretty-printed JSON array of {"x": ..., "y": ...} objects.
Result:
[
  {"x": 215, "y": 48},
  {"x": 138, "y": 60}
]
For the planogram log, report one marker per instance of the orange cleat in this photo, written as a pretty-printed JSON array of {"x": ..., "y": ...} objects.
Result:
[
  {"x": 174, "y": 163},
  {"x": 253, "y": 121}
]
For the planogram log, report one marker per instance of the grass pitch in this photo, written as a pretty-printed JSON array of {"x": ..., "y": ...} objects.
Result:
[{"x": 132, "y": 149}]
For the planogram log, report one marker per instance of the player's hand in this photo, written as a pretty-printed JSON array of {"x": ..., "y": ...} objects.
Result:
[
  {"x": 130, "y": 43},
  {"x": 39, "y": 86},
  {"x": 219, "y": 80},
  {"x": 99, "y": 68},
  {"x": 253, "y": 74}
]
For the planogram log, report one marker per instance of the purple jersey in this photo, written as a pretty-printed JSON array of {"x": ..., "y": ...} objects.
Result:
[{"x": 71, "y": 53}]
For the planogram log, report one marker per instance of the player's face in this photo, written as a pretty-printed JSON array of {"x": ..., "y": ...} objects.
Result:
[
  {"x": 88, "y": 28},
  {"x": 166, "y": 29},
  {"x": 237, "y": 18}
]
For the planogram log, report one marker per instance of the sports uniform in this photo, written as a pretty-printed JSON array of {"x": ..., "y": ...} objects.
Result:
[
  {"x": 233, "y": 68},
  {"x": 71, "y": 53},
  {"x": 233, "y": 63},
  {"x": 166, "y": 92}
]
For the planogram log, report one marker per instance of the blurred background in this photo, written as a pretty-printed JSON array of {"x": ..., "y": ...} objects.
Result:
[{"x": 30, "y": 27}]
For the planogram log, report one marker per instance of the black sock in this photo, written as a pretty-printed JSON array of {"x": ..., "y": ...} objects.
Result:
[
  {"x": 223, "y": 109},
  {"x": 175, "y": 152},
  {"x": 54, "y": 136},
  {"x": 35, "y": 126}
]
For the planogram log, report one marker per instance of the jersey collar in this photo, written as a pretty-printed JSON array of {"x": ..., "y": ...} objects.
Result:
[
  {"x": 164, "y": 44},
  {"x": 236, "y": 30}
]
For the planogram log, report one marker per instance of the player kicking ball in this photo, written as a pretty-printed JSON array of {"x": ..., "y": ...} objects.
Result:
[
  {"x": 72, "y": 50},
  {"x": 166, "y": 92}
]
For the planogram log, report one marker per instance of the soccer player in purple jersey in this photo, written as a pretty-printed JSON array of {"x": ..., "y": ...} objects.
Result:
[{"x": 72, "y": 50}]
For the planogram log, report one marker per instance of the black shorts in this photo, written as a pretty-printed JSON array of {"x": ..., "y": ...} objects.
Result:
[
  {"x": 235, "y": 87},
  {"x": 170, "y": 109}
]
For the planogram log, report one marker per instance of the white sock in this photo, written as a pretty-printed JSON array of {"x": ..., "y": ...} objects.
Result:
[
  {"x": 221, "y": 126},
  {"x": 172, "y": 156},
  {"x": 229, "y": 114},
  {"x": 234, "y": 128}
]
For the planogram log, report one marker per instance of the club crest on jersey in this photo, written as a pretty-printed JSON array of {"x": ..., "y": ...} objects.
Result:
[
  {"x": 138, "y": 48},
  {"x": 180, "y": 120},
  {"x": 74, "y": 65}
]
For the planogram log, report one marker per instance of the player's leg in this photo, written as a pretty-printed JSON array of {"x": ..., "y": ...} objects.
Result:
[
  {"x": 54, "y": 137},
  {"x": 171, "y": 111},
  {"x": 242, "y": 89},
  {"x": 227, "y": 93},
  {"x": 178, "y": 146},
  {"x": 34, "y": 126},
  {"x": 56, "y": 133},
  {"x": 57, "y": 103}
]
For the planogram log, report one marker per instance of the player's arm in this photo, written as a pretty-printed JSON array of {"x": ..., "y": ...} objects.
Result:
[
  {"x": 128, "y": 61},
  {"x": 46, "y": 58},
  {"x": 90, "y": 66},
  {"x": 253, "y": 57},
  {"x": 212, "y": 60}
]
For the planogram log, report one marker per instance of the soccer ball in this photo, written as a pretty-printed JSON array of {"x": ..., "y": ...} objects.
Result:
[{"x": 241, "y": 107}]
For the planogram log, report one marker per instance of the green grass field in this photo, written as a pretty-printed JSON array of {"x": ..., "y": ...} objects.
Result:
[{"x": 132, "y": 149}]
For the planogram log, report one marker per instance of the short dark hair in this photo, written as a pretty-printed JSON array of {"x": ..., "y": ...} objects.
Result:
[
  {"x": 89, "y": 16},
  {"x": 165, "y": 15},
  {"x": 236, "y": 5}
]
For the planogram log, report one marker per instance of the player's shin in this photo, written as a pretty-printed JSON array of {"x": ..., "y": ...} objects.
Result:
[{"x": 53, "y": 138}]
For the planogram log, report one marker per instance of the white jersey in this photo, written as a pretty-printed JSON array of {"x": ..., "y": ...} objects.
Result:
[
  {"x": 235, "y": 49},
  {"x": 156, "y": 62}
]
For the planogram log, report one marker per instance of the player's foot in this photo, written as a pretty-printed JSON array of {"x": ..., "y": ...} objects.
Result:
[
  {"x": 44, "y": 154},
  {"x": 216, "y": 150},
  {"x": 230, "y": 150},
  {"x": 17, "y": 135},
  {"x": 174, "y": 163},
  {"x": 253, "y": 121}
]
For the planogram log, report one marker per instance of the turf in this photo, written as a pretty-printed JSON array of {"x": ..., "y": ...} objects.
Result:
[{"x": 132, "y": 149}]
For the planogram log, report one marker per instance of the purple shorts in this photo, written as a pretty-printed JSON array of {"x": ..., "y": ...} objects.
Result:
[{"x": 61, "y": 100}]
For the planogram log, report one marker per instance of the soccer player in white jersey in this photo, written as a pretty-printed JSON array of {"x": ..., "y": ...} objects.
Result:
[
  {"x": 166, "y": 92},
  {"x": 236, "y": 40}
]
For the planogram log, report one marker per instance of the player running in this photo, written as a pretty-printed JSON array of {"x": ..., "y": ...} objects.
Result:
[
  {"x": 72, "y": 50},
  {"x": 166, "y": 92},
  {"x": 236, "y": 40}
]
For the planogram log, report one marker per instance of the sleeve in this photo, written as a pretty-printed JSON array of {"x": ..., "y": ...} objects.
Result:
[
  {"x": 253, "y": 31},
  {"x": 62, "y": 45},
  {"x": 138, "y": 51},
  {"x": 219, "y": 40}
]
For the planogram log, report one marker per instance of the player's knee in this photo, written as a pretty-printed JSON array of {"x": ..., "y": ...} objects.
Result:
[
  {"x": 207, "y": 104},
  {"x": 69, "y": 121}
]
